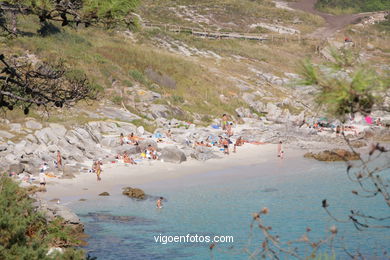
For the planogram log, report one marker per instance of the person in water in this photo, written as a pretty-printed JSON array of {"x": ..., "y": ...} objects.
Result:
[
  {"x": 159, "y": 203},
  {"x": 280, "y": 151}
]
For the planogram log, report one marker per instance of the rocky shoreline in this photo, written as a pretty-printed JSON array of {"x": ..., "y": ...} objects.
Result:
[{"x": 100, "y": 140}]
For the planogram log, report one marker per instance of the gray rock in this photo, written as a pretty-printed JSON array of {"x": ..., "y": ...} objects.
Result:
[
  {"x": 173, "y": 154},
  {"x": 3, "y": 147},
  {"x": 15, "y": 127},
  {"x": 130, "y": 149},
  {"x": 17, "y": 168},
  {"x": 65, "y": 213},
  {"x": 118, "y": 114},
  {"x": 32, "y": 124},
  {"x": 143, "y": 144},
  {"x": 110, "y": 142},
  {"x": 203, "y": 153},
  {"x": 46, "y": 135},
  {"x": 52, "y": 148},
  {"x": 6, "y": 134},
  {"x": 32, "y": 138},
  {"x": 140, "y": 130},
  {"x": 158, "y": 111}
]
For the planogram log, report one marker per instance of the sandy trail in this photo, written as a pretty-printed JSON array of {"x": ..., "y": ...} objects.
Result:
[{"x": 333, "y": 22}]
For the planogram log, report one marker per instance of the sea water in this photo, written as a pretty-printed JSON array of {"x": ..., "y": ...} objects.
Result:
[{"x": 222, "y": 203}]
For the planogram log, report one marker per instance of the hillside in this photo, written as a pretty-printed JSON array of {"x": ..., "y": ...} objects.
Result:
[{"x": 153, "y": 72}]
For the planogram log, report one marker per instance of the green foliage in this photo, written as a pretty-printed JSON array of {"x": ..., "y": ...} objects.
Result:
[
  {"x": 138, "y": 76},
  {"x": 345, "y": 87},
  {"x": 356, "y": 5},
  {"x": 384, "y": 25},
  {"x": 25, "y": 233},
  {"x": 117, "y": 100},
  {"x": 114, "y": 9},
  {"x": 177, "y": 99}
]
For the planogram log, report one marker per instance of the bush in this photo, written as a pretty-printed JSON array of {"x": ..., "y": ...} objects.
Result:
[{"x": 25, "y": 233}]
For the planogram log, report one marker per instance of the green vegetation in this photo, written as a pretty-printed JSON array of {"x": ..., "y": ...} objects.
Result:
[
  {"x": 25, "y": 233},
  {"x": 353, "y": 6},
  {"x": 346, "y": 85}
]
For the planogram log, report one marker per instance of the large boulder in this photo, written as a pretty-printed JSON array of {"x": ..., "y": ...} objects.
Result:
[
  {"x": 17, "y": 168},
  {"x": 158, "y": 111},
  {"x": 203, "y": 153},
  {"x": 47, "y": 135},
  {"x": 130, "y": 149},
  {"x": 173, "y": 154},
  {"x": 134, "y": 193},
  {"x": 6, "y": 135},
  {"x": 333, "y": 155},
  {"x": 3, "y": 147},
  {"x": 110, "y": 142}
]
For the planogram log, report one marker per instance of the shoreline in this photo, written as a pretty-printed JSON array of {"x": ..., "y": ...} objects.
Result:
[{"x": 85, "y": 185}]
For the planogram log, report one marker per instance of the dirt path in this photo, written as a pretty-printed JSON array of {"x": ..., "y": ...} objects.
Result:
[{"x": 333, "y": 22}]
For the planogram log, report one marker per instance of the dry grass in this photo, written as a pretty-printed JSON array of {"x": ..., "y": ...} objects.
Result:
[{"x": 225, "y": 15}]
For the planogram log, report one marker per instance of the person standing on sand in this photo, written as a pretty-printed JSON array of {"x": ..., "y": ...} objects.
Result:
[
  {"x": 121, "y": 139},
  {"x": 98, "y": 170},
  {"x": 59, "y": 159},
  {"x": 42, "y": 178},
  {"x": 159, "y": 204},
  {"x": 224, "y": 121},
  {"x": 225, "y": 144}
]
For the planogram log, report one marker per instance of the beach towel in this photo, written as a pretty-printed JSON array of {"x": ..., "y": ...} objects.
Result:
[{"x": 368, "y": 120}]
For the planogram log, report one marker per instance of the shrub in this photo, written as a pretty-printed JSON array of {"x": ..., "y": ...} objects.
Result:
[{"x": 24, "y": 232}]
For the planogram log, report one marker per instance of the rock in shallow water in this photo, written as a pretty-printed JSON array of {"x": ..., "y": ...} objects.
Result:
[
  {"x": 333, "y": 155},
  {"x": 104, "y": 194},
  {"x": 134, "y": 193}
]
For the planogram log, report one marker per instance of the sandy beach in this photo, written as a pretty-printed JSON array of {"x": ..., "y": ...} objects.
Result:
[{"x": 117, "y": 175}]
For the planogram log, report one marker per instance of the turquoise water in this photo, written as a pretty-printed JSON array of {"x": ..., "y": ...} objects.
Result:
[{"x": 221, "y": 203}]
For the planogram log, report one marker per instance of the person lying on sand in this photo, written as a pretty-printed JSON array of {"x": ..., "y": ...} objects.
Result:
[
  {"x": 134, "y": 139},
  {"x": 202, "y": 143},
  {"x": 128, "y": 159}
]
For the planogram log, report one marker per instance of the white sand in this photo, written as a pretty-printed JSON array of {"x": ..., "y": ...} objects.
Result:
[{"x": 117, "y": 175}]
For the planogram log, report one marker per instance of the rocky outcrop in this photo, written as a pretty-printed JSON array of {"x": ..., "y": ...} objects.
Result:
[
  {"x": 172, "y": 154},
  {"x": 202, "y": 153},
  {"x": 32, "y": 124},
  {"x": 333, "y": 155},
  {"x": 105, "y": 193},
  {"x": 143, "y": 144},
  {"x": 134, "y": 193},
  {"x": 52, "y": 211}
]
